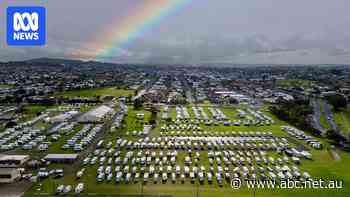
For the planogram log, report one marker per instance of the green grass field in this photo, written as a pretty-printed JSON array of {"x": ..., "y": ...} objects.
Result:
[
  {"x": 342, "y": 119},
  {"x": 34, "y": 109},
  {"x": 295, "y": 82},
  {"x": 6, "y": 86},
  {"x": 323, "y": 119},
  {"x": 322, "y": 166},
  {"x": 31, "y": 111},
  {"x": 56, "y": 146},
  {"x": 96, "y": 92},
  {"x": 231, "y": 112}
]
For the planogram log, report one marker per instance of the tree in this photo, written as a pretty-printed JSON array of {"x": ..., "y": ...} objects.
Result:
[
  {"x": 10, "y": 124},
  {"x": 338, "y": 101},
  {"x": 137, "y": 103},
  {"x": 129, "y": 98},
  {"x": 296, "y": 112},
  {"x": 233, "y": 100},
  {"x": 336, "y": 136}
]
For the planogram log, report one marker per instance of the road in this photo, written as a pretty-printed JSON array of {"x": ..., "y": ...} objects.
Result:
[
  {"x": 329, "y": 115},
  {"x": 317, "y": 115},
  {"x": 16, "y": 189},
  {"x": 189, "y": 96}
]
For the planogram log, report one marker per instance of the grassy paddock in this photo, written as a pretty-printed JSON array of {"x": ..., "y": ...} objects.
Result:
[
  {"x": 342, "y": 119},
  {"x": 322, "y": 166},
  {"x": 96, "y": 92},
  {"x": 6, "y": 86},
  {"x": 295, "y": 82}
]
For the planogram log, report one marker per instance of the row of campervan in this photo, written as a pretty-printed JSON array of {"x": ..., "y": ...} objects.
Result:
[
  {"x": 259, "y": 115},
  {"x": 120, "y": 116},
  {"x": 227, "y": 158},
  {"x": 165, "y": 113},
  {"x": 181, "y": 127},
  {"x": 27, "y": 136},
  {"x": 83, "y": 137},
  {"x": 66, "y": 189},
  {"x": 214, "y": 134},
  {"x": 199, "y": 113},
  {"x": 300, "y": 135},
  {"x": 128, "y": 174},
  {"x": 204, "y": 143},
  {"x": 217, "y": 114},
  {"x": 182, "y": 113},
  {"x": 4, "y": 109},
  {"x": 24, "y": 135}
]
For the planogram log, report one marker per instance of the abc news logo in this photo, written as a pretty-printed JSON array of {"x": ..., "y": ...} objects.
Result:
[
  {"x": 26, "y": 26},
  {"x": 33, "y": 21}
]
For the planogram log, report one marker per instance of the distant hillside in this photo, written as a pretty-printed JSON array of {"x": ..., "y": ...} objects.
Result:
[
  {"x": 75, "y": 62},
  {"x": 56, "y": 61}
]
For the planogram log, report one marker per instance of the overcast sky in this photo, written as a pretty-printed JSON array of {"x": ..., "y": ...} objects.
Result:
[{"x": 204, "y": 31}]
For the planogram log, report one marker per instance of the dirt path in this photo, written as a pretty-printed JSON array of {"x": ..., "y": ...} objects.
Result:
[
  {"x": 14, "y": 189},
  {"x": 335, "y": 154}
]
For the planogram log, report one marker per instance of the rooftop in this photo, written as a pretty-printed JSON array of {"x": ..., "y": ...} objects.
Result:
[
  {"x": 61, "y": 156},
  {"x": 13, "y": 157}
]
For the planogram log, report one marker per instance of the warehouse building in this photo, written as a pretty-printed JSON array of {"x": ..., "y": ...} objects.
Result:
[
  {"x": 96, "y": 114},
  {"x": 61, "y": 158},
  {"x": 13, "y": 161}
]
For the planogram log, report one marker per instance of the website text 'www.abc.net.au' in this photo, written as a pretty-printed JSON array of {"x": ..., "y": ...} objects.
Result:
[{"x": 237, "y": 183}]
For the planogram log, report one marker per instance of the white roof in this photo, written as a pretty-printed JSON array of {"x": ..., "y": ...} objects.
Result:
[
  {"x": 96, "y": 114},
  {"x": 13, "y": 157},
  {"x": 64, "y": 116},
  {"x": 61, "y": 156}
]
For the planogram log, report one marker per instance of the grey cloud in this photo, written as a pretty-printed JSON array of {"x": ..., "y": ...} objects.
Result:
[
  {"x": 338, "y": 52},
  {"x": 237, "y": 31}
]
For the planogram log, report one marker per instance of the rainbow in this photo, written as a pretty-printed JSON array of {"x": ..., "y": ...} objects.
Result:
[{"x": 147, "y": 15}]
